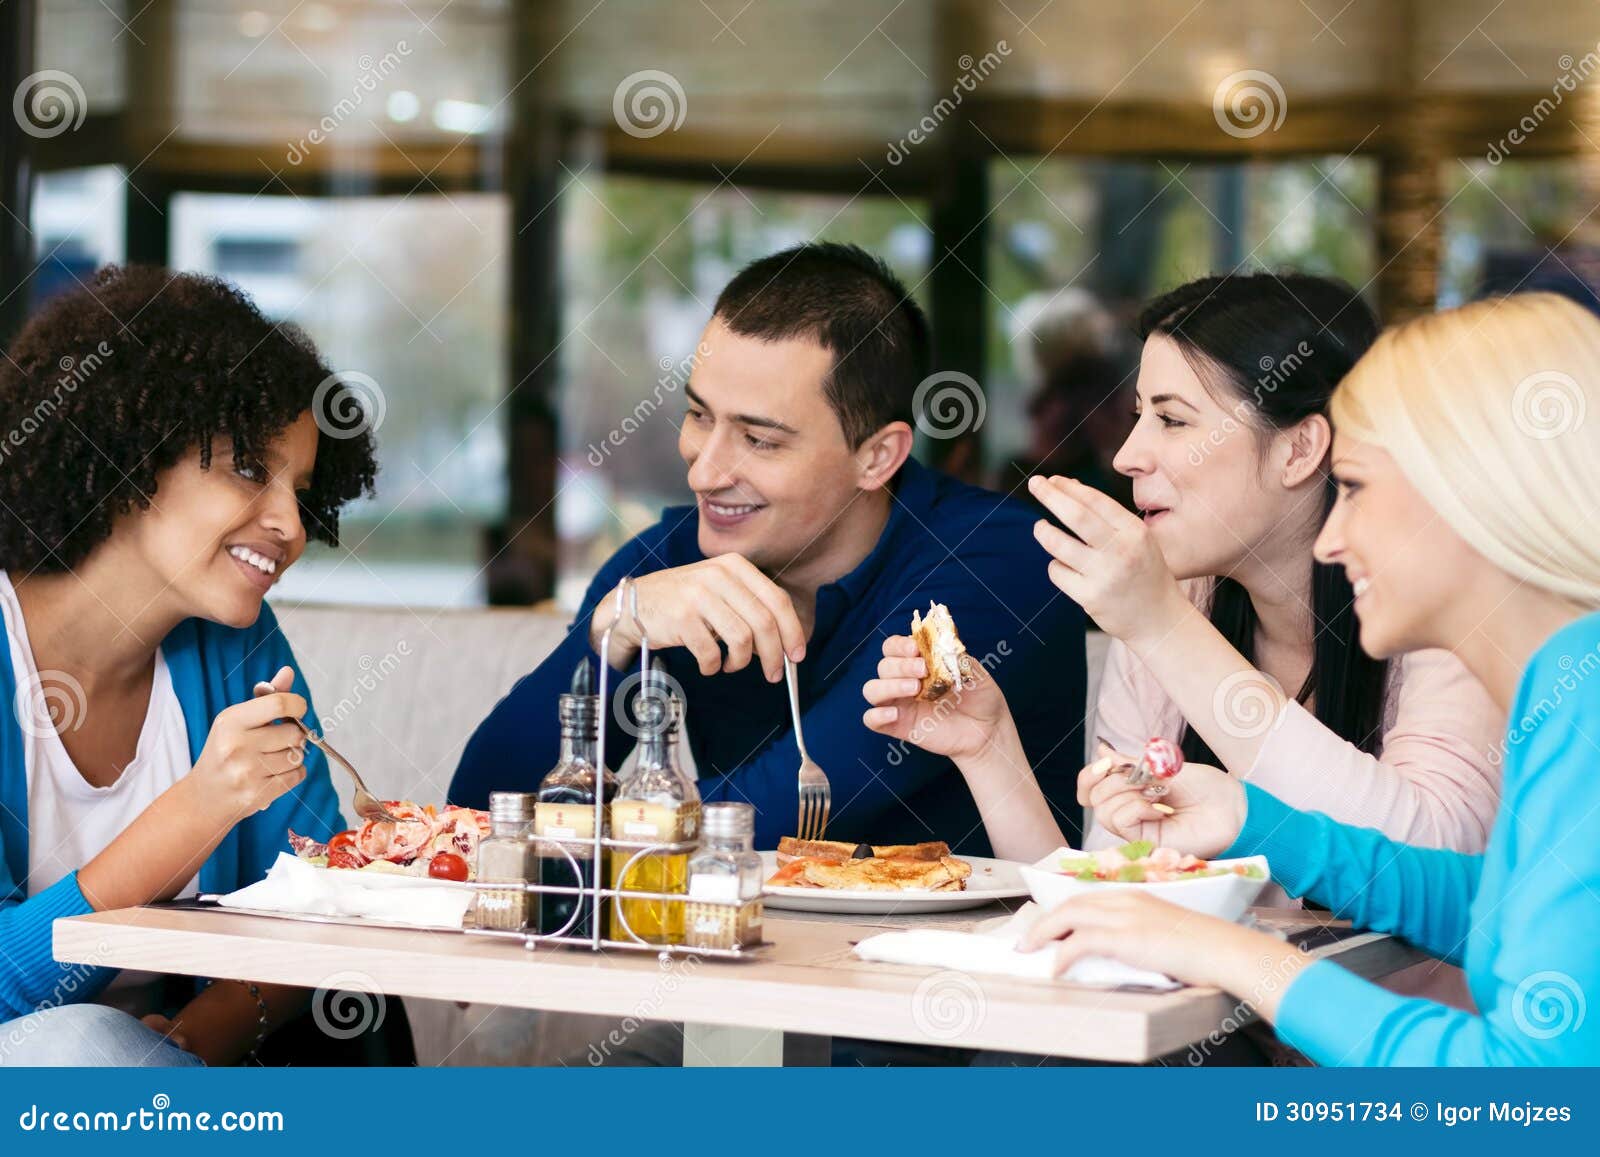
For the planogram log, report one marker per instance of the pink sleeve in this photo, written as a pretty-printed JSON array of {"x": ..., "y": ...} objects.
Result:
[
  {"x": 1124, "y": 716},
  {"x": 1435, "y": 784}
]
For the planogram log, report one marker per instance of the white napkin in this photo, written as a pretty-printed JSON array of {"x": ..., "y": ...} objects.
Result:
[
  {"x": 292, "y": 885},
  {"x": 992, "y": 948}
]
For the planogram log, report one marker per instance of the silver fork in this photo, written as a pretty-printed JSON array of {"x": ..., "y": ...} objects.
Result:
[
  {"x": 816, "y": 798},
  {"x": 367, "y": 805}
]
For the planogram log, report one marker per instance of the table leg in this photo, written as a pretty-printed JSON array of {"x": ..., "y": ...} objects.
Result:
[{"x": 723, "y": 1046}]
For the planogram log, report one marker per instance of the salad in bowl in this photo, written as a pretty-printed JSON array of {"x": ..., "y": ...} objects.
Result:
[{"x": 1224, "y": 888}]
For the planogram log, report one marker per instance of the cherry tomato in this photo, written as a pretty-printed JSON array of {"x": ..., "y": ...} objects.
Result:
[
  {"x": 447, "y": 866},
  {"x": 342, "y": 840},
  {"x": 343, "y": 858}
]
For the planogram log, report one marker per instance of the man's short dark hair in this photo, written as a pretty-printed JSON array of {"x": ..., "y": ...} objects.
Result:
[{"x": 849, "y": 302}]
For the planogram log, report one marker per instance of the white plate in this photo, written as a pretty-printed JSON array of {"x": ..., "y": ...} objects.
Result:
[{"x": 990, "y": 880}]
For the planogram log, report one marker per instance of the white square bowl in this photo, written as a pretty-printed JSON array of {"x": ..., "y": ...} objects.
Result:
[{"x": 1226, "y": 896}]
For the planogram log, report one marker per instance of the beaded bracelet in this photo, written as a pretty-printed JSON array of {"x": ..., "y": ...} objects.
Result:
[{"x": 261, "y": 1018}]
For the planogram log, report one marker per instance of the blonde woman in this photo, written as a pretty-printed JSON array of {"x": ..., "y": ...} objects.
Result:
[{"x": 1466, "y": 478}]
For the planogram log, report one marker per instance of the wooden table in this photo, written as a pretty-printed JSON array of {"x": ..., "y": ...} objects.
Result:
[{"x": 807, "y": 987}]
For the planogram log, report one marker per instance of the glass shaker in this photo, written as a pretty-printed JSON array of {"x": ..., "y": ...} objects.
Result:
[
  {"x": 509, "y": 855},
  {"x": 724, "y": 908}
]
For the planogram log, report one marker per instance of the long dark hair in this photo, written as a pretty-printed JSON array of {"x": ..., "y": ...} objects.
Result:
[{"x": 1280, "y": 343}]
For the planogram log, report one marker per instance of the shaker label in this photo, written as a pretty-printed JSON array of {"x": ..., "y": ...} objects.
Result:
[{"x": 713, "y": 888}]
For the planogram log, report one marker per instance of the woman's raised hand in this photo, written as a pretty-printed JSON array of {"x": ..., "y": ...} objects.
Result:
[
  {"x": 250, "y": 758},
  {"x": 1205, "y": 806},
  {"x": 961, "y": 724}
]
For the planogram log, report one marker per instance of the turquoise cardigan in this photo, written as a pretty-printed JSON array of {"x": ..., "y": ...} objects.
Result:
[
  {"x": 1523, "y": 919},
  {"x": 212, "y": 667}
]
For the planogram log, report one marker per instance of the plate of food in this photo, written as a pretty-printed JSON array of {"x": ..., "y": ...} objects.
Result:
[
  {"x": 424, "y": 843},
  {"x": 883, "y": 879},
  {"x": 1224, "y": 888}
]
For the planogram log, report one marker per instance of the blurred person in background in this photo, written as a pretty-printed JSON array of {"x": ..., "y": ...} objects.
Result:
[{"x": 1070, "y": 351}]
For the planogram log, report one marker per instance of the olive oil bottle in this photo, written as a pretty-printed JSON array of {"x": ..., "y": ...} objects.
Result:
[
  {"x": 655, "y": 804},
  {"x": 565, "y": 809}
]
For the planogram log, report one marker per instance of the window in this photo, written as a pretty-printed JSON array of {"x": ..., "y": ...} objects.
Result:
[
  {"x": 645, "y": 261},
  {"x": 407, "y": 296},
  {"x": 1510, "y": 226},
  {"x": 1127, "y": 230},
  {"x": 77, "y": 226}
]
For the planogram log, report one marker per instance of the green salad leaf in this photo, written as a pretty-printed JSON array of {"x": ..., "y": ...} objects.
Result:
[{"x": 1137, "y": 850}]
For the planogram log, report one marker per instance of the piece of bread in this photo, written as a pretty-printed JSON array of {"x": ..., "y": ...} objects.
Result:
[
  {"x": 790, "y": 848},
  {"x": 946, "y": 874},
  {"x": 948, "y": 665}
]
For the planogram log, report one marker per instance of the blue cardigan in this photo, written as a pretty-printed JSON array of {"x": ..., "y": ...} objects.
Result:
[
  {"x": 212, "y": 668},
  {"x": 1523, "y": 919}
]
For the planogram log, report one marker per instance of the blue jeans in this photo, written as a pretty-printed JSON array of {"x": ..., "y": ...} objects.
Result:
[{"x": 83, "y": 1035}]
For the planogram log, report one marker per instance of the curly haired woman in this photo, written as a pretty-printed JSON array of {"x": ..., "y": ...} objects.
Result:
[{"x": 160, "y": 467}]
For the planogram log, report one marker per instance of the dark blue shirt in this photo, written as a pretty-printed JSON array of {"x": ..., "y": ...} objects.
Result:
[{"x": 945, "y": 541}]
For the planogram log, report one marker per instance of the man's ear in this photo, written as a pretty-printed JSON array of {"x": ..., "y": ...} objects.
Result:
[
  {"x": 1308, "y": 441},
  {"x": 882, "y": 454}
]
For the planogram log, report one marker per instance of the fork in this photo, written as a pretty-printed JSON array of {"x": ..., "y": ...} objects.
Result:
[
  {"x": 367, "y": 805},
  {"x": 816, "y": 798}
]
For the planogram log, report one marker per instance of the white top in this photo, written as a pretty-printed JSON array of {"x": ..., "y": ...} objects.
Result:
[{"x": 70, "y": 821}]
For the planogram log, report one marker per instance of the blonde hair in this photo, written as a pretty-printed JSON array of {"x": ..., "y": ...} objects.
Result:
[{"x": 1487, "y": 411}]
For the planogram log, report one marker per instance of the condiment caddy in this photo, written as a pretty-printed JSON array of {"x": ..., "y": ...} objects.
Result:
[{"x": 590, "y": 861}]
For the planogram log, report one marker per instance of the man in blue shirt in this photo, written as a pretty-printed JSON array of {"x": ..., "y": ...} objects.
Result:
[{"x": 814, "y": 534}]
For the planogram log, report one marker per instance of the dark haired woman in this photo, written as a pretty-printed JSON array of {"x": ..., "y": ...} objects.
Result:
[
  {"x": 174, "y": 475},
  {"x": 1229, "y": 461}
]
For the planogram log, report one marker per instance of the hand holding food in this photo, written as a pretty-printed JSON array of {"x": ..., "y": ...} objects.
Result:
[
  {"x": 1201, "y": 812},
  {"x": 931, "y": 693},
  {"x": 1109, "y": 563},
  {"x": 250, "y": 758},
  {"x": 724, "y": 599}
]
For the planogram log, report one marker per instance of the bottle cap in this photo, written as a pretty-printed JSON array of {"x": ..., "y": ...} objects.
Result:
[
  {"x": 511, "y": 806},
  {"x": 582, "y": 678},
  {"x": 726, "y": 821}
]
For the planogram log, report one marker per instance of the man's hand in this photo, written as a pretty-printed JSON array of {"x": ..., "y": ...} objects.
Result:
[{"x": 724, "y": 598}]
